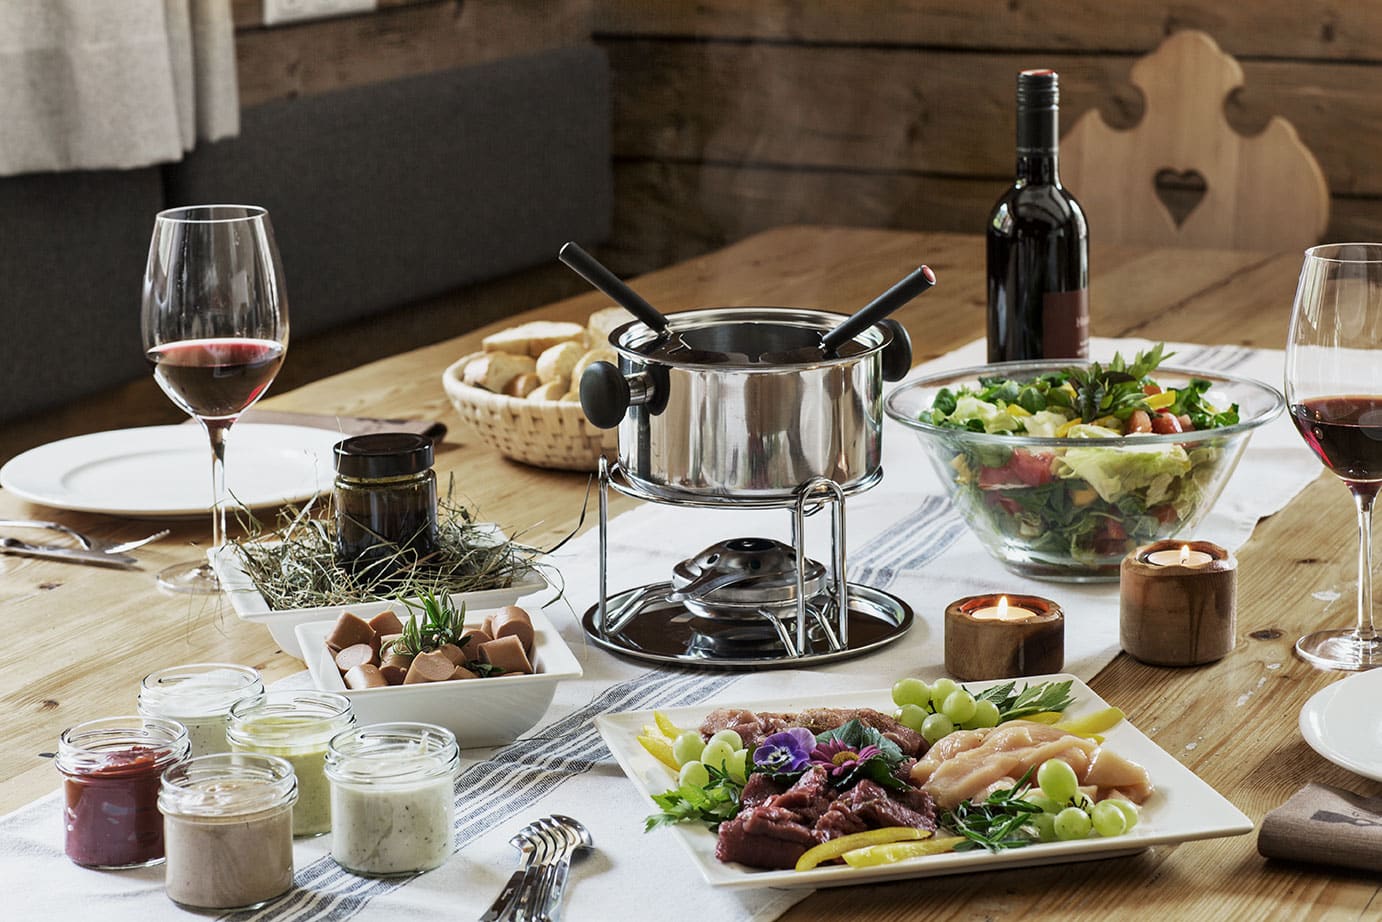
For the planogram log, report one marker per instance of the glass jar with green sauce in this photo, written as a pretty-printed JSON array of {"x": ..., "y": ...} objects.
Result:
[
  {"x": 199, "y": 696},
  {"x": 297, "y": 726},
  {"x": 385, "y": 499},
  {"x": 393, "y": 798},
  {"x": 228, "y": 830}
]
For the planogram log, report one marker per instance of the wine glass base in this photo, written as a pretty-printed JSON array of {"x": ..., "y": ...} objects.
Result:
[
  {"x": 192, "y": 577},
  {"x": 1342, "y": 649}
]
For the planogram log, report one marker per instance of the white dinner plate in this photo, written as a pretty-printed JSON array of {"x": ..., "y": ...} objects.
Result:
[
  {"x": 1343, "y": 723},
  {"x": 1182, "y": 807},
  {"x": 166, "y": 470}
]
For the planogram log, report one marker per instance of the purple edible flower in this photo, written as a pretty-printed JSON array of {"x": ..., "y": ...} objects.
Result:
[
  {"x": 840, "y": 757},
  {"x": 785, "y": 752}
]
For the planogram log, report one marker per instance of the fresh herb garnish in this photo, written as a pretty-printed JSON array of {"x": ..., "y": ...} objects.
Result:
[
  {"x": 1032, "y": 699},
  {"x": 998, "y": 822},
  {"x": 1115, "y": 390},
  {"x": 854, "y": 751},
  {"x": 442, "y": 623},
  {"x": 712, "y": 803}
]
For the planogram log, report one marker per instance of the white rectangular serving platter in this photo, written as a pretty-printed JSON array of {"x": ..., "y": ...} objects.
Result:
[{"x": 1181, "y": 809}]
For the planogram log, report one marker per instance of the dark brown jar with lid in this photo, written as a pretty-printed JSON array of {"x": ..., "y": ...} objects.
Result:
[{"x": 386, "y": 501}]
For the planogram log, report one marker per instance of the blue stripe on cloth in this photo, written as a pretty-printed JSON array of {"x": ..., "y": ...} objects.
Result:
[
  {"x": 514, "y": 779},
  {"x": 916, "y": 539}
]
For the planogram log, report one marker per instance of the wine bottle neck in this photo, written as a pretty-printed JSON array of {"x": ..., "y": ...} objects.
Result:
[
  {"x": 1039, "y": 168},
  {"x": 1038, "y": 143}
]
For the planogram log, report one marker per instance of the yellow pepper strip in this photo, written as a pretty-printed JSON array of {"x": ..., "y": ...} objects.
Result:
[
  {"x": 1017, "y": 410},
  {"x": 1044, "y": 717},
  {"x": 1083, "y": 497},
  {"x": 856, "y": 840},
  {"x": 1091, "y": 724},
  {"x": 1108, "y": 422},
  {"x": 875, "y": 855},
  {"x": 1161, "y": 401},
  {"x": 659, "y": 748},
  {"x": 664, "y": 723},
  {"x": 1064, "y": 430}
]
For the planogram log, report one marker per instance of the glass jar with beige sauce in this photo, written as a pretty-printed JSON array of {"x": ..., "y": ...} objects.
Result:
[
  {"x": 295, "y": 725},
  {"x": 393, "y": 798},
  {"x": 228, "y": 830},
  {"x": 199, "y": 696}
]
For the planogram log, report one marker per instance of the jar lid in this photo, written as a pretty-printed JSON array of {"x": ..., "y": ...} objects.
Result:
[{"x": 383, "y": 454}]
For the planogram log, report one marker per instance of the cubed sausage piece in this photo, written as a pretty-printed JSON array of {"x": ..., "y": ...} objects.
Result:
[
  {"x": 514, "y": 621},
  {"x": 453, "y": 653},
  {"x": 358, "y": 654},
  {"x": 477, "y": 635},
  {"x": 386, "y": 622},
  {"x": 350, "y": 630},
  {"x": 395, "y": 668},
  {"x": 463, "y": 673},
  {"x": 365, "y": 676},
  {"x": 429, "y": 667},
  {"x": 506, "y": 653},
  {"x": 488, "y": 625}
]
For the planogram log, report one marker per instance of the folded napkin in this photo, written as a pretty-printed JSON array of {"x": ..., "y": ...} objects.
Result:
[
  {"x": 346, "y": 425},
  {"x": 1322, "y": 824}
]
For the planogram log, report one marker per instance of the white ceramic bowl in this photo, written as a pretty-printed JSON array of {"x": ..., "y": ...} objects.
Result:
[
  {"x": 251, "y": 606},
  {"x": 481, "y": 712}
]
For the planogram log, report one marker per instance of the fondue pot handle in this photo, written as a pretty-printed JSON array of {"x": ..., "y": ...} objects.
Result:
[
  {"x": 897, "y": 355},
  {"x": 606, "y": 394}
]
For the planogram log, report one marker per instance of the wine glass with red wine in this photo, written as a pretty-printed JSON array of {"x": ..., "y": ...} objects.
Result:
[
  {"x": 1334, "y": 390},
  {"x": 215, "y": 326}
]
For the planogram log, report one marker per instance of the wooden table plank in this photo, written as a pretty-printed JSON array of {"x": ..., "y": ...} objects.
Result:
[{"x": 82, "y": 637}]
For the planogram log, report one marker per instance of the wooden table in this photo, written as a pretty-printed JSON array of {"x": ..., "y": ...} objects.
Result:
[{"x": 79, "y": 638}]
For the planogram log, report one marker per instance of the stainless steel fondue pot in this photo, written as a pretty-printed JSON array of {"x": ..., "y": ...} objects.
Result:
[{"x": 744, "y": 404}]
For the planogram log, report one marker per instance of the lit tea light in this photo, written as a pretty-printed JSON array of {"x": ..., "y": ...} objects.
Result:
[
  {"x": 1002, "y": 637},
  {"x": 1003, "y": 612},
  {"x": 1186, "y": 556},
  {"x": 1177, "y": 603}
]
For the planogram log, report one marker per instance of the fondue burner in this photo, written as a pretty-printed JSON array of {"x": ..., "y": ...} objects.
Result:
[{"x": 744, "y": 601}]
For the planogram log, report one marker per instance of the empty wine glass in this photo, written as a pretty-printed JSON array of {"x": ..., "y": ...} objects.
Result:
[
  {"x": 1334, "y": 390},
  {"x": 215, "y": 328}
]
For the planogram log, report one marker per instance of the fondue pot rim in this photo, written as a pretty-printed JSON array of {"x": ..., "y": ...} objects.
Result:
[{"x": 629, "y": 337}]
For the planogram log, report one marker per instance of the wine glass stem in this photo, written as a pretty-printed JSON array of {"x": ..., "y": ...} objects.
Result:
[
  {"x": 1364, "y": 498},
  {"x": 216, "y": 431}
]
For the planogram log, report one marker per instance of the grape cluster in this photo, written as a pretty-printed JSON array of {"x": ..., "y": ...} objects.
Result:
[
  {"x": 1066, "y": 813},
  {"x": 724, "y": 751},
  {"x": 937, "y": 709}
]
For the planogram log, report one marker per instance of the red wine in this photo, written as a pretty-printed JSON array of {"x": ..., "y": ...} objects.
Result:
[
  {"x": 216, "y": 378},
  {"x": 1038, "y": 243},
  {"x": 1345, "y": 432}
]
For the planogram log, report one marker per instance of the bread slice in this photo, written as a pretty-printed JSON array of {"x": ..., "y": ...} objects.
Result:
[
  {"x": 522, "y": 385},
  {"x": 533, "y": 338},
  {"x": 556, "y": 363},
  {"x": 551, "y": 391},
  {"x": 602, "y": 323},
  {"x": 496, "y": 369}
]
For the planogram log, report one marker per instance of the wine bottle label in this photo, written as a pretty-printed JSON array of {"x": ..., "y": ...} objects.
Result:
[{"x": 1065, "y": 324}]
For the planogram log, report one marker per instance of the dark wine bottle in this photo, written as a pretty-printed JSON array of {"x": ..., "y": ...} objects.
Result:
[{"x": 1038, "y": 242}]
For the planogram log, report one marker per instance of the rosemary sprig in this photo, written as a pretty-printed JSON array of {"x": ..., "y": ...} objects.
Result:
[
  {"x": 1032, "y": 699},
  {"x": 998, "y": 822}
]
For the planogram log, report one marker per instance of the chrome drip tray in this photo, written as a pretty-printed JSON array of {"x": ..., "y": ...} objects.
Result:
[{"x": 644, "y": 623}]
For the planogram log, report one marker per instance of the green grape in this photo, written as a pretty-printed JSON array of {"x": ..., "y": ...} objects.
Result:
[
  {"x": 716, "y": 753},
  {"x": 730, "y": 738},
  {"x": 959, "y": 706},
  {"x": 912, "y": 716},
  {"x": 1046, "y": 804},
  {"x": 1108, "y": 820},
  {"x": 1072, "y": 823},
  {"x": 1057, "y": 780},
  {"x": 738, "y": 766},
  {"x": 941, "y": 689},
  {"x": 687, "y": 747},
  {"x": 1045, "y": 825},
  {"x": 985, "y": 714},
  {"x": 936, "y": 726},
  {"x": 1128, "y": 809},
  {"x": 694, "y": 774},
  {"x": 911, "y": 691}
]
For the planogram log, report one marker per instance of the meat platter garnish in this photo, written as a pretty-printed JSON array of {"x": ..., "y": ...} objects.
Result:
[{"x": 822, "y": 785}]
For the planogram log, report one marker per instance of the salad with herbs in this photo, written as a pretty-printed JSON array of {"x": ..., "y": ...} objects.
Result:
[{"x": 1084, "y": 501}]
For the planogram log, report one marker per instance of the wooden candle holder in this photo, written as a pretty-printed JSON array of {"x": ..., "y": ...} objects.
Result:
[
  {"x": 990, "y": 649},
  {"x": 1173, "y": 615}
]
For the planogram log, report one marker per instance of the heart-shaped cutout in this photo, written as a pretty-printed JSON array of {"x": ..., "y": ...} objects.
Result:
[{"x": 1180, "y": 192}]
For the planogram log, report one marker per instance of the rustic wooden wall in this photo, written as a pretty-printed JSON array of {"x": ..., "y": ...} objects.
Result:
[{"x": 736, "y": 115}]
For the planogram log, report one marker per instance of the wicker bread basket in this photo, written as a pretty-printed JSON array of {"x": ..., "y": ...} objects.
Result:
[{"x": 544, "y": 433}]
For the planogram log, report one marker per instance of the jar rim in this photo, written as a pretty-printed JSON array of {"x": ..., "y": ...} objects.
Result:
[
  {"x": 228, "y": 784},
  {"x": 89, "y": 745},
  {"x": 396, "y": 753},
  {"x": 302, "y": 716},
  {"x": 165, "y": 688}
]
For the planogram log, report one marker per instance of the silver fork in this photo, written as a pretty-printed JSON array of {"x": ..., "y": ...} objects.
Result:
[
  {"x": 550, "y": 841},
  {"x": 525, "y": 840},
  {"x": 86, "y": 542},
  {"x": 581, "y": 841}
]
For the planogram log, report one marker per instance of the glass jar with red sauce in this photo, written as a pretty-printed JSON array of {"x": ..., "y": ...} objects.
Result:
[{"x": 111, "y": 769}]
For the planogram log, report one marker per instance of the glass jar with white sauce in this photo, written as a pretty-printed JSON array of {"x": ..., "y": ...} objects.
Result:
[
  {"x": 392, "y": 797},
  {"x": 295, "y": 725},
  {"x": 228, "y": 830},
  {"x": 199, "y": 696}
]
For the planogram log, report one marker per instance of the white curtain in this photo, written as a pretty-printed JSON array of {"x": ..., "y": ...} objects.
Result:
[{"x": 113, "y": 84}]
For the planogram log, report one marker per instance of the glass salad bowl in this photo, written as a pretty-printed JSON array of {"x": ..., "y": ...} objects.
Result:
[{"x": 1070, "y": 504}]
